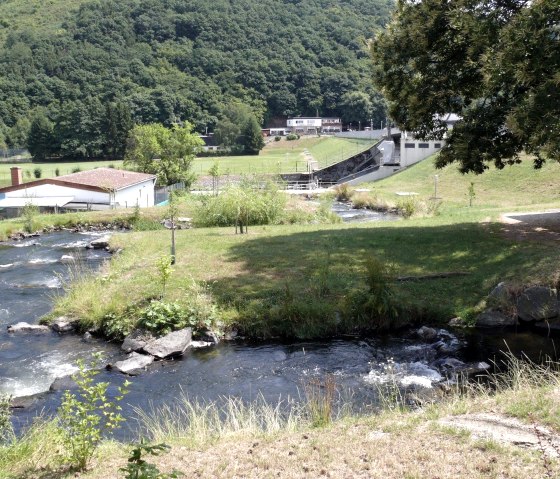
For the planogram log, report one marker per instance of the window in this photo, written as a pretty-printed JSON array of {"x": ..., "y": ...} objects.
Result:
[
  {"x": 437, "y": 145},
  {"x": 410, "y": 145},
  {"x": 423, "y": 145}
]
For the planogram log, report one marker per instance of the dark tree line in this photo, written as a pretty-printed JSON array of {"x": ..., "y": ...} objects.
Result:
[{"x": 168, "y": 61}]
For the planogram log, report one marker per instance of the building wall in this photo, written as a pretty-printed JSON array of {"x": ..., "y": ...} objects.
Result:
[
  {"x": 45, "y": 191},
  {"x": 141, "y": 194},
  {"x": 414, "y": 150}
]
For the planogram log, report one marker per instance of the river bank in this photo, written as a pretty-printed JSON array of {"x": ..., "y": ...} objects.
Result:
[{"x": 508, "y": 429}]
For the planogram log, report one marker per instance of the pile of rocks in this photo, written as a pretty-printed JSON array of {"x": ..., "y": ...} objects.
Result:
[{"x": 509, "y": 306}]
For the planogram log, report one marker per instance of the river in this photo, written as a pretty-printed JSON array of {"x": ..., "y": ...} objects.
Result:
[{"x": 31, "y": 274}]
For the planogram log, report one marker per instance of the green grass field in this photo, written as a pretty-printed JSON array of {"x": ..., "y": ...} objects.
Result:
[
  {"x": 277, "y": 157},
  {"x": 286, "y": 156}
]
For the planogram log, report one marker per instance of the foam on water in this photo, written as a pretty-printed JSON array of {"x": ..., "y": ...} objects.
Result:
[
  {"x": 42, "y": 261},
  {"x": 6, "y": 266},
  {"x": 406, "y": 374}
]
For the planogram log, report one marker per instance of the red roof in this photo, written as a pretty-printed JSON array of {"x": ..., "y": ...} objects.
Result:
[{"x": 100, "y": 179}]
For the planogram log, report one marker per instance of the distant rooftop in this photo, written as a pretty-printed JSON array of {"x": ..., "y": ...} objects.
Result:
[{"x": 101, "y": 179}]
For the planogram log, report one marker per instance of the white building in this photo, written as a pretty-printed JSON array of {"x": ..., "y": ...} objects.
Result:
[
  {"x": 305, "y": 125},
  {"x": 99, "y": 189}
]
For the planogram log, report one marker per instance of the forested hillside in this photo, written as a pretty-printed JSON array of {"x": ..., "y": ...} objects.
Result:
[{"x": 84, "y": 76}]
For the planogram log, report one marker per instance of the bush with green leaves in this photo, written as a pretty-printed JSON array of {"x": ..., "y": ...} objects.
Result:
[
  {"x": 28, "y": 213},
  {"x": 249, "y": 203},
  {"x": 86, "y": 416},
  {"x": 139, "y": 468},
  {"x": 292, "y": 137},
  {"x": 407, "y": 207},
  {"x": 373, "y": 307},
  {"x": 37, "y": 172},
  {"x": 6, "y": 430}
]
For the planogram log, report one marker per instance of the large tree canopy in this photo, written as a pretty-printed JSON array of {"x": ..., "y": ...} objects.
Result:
[
  {"x": 165, "y": 152},
  {"x": 496, "y": 63}
]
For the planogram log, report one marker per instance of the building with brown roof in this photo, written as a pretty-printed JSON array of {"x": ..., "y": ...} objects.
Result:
[{"x": 99, "y": 189}]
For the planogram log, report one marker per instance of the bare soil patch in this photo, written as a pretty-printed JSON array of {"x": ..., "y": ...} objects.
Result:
[{"x": 538, "y": 226}]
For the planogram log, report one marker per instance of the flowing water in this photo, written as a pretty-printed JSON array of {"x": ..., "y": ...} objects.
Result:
[{"x": 31, "y": 273}]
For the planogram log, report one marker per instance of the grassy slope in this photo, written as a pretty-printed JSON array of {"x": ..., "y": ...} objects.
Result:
[
  {"x": 286, "y": 156},
  {"x": 511, "y": 188}
]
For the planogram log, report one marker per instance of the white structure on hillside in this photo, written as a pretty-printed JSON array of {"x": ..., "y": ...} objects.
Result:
[
  {"x": 413, "y": 150},
  {"x": 99, "y": 189}
]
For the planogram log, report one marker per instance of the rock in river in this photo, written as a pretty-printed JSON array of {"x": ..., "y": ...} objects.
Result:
[
  {"x": 23, "y": 327},
  {"x": 63, "y": 325},
  {"x": 134, "y": 364},
  {"x": 136, "y": 341},
  {"x": 173, "y": 344}
]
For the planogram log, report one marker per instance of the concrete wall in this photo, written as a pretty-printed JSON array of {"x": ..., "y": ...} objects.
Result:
[{"x": 414, "y": 150}]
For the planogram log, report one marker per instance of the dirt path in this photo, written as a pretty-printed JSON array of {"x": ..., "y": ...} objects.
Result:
[
  {"x": 537, "y": 226},
  {"x": 506, "y": 430}
]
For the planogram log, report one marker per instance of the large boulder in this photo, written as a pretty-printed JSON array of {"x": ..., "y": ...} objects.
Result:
[
  {"x": 170, "y": 345},
  {"x": 136, "y": 341},
  {"x": 494, "y": 319},
  {"x": 134, "y": 364},
  {"x": 537, "y": 303},
  {"x": 23, "y": 327},
  {"x": 427, "y": 334}
]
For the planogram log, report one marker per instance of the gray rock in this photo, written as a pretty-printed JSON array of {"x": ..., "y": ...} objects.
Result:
[
  {"x": 456, "y": 323},
  {"x": 87, "y": 337},
  {"x": 501, "y": 297},
  {"x": 537, "y": 303},
  {"x": 548, "y": 325},
  {"x": 427, "y": 334},
  {"x": 63, "y": 325},
  {"x": 209, "y": 337},
  {"x": 170, "y": 345},
  {"x": 100, "y": 243},
  {"x": 136, "y": 341},
  {"x": 134, "y": 364},
  {"x": 62, "y": 384},
  {"x": 23, "y": 327},
  {"x": 494, "y": 319}
]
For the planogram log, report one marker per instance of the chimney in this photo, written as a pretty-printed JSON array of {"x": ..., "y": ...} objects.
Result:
[{"x": 17, "y": 177}]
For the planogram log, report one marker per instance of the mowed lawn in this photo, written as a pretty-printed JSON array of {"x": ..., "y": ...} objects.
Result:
[
  {"x": 286, "y": 156},
  {"x": 514, "y": 187}
]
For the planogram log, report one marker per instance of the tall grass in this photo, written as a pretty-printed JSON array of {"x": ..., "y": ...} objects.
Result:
[{"x": 200, "y": 422}]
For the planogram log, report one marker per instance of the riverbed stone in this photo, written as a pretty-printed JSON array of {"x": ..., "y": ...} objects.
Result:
[
  {"x": 100, "y": 243},
  {"x": 170, "y": 345},
  {"x": 537, "y": 303},
  {"x": 427, "y": 334},
  {"x": 208, "y": 337},
  {"x": 136, "y": 341},
  {"x": 494, "y": 319},
  {"x": 134, "y": 364},
  {"x": 63, "y": 383},
  {"x": 501, "y": 297},
  {"x": 63, "y": 324},
  {"x": 23, "y": 327}
]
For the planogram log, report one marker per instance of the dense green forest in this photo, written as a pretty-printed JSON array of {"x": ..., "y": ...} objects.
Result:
[{"x": 76, "y": 76}]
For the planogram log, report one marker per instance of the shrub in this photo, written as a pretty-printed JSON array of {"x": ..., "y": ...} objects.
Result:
[
  {"x": 6, "y": 430},
  {"x": 77, "y": 169},
  {"x": 407, "y": 207},
  {"x": 138, "y": 468},
  {"x": 343, "y": 192},
  {"x": 164, "y": 270},
  {"x": 277, "y": 138},
  {"x": 373, "y": 307},
  {"x": 433, "y": 207},
  {"x": 87, "y": 416},
  {"x": 57, "y": 172},
  {"x": 292, "y": 137},
  {"x": 37, "y": 172},
  {"x": 368, "y": 201},
  {"x": 246, "y": 203},
  {"x": 29, "y": 212}
]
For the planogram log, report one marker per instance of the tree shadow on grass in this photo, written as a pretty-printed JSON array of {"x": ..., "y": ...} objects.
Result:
[{"x": 299, "y": 260}]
